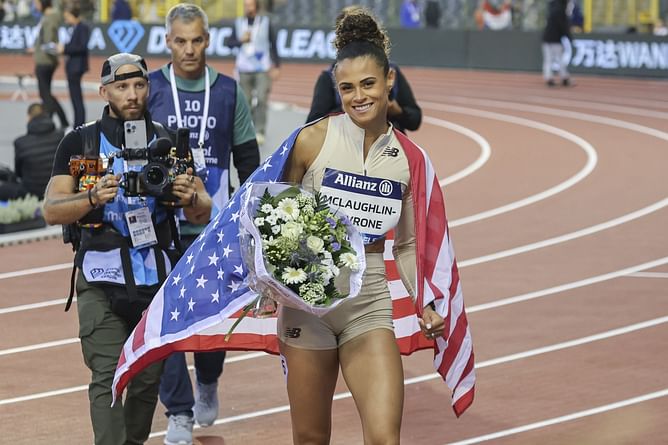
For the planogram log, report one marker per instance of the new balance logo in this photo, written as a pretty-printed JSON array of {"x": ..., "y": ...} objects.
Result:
[
  {"x": 293, "y": 332},
  {"x": 390, "y": 151}
]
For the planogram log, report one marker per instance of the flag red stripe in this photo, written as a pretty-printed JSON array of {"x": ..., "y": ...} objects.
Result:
[
  {"x": 454, "y": 344},
  {"x": 402, "y": 307},
  {"x": 391, "y": 272},
  {"x": 435, "y": 230}
]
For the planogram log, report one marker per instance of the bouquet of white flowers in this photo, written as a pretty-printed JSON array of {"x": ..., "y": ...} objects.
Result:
[{"x": 297, "y": 250}]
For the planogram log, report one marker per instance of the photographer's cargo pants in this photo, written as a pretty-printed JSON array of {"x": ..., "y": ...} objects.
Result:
[{"x": 102, "y": 335}]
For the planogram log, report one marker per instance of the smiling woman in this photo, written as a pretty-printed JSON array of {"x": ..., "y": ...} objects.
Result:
[{"x": 377, "y": 162}]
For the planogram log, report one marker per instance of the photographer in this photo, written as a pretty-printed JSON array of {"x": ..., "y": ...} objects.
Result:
[{"x": 123, "y": 238}]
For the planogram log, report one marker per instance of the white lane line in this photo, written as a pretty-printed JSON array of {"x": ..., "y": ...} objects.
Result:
[
  {"x": 34, "y": 270},
  {"x": 35, "y": 347},
  {"x": 601, "y": 106},
  {"x": 590, "y": 152},
  {"x": 649, "y": 275},
  {"x": 42, "y": 395},
  {"x": 506, "y": 359},
  {"x": 27, "y": 307},
  {"x": 568, "y": 236},
  {"x": 59, "y": 392},
  {"x": 566, "y": 418},
  {"x": 507, "y": 301},
  {"x": 576, "y": 342},
  {"x": 568, "y": 286},
  {"x": 485, "y": 149},
  {"x": 560, "y": 113}
]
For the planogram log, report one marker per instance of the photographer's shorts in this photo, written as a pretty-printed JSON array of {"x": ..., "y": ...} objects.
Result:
[{"x": 371, "y": 309}]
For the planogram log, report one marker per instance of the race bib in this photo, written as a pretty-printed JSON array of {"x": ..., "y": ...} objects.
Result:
[{"x": 372, "y": 204}]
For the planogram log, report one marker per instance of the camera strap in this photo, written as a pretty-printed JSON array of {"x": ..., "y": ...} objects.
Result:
[{"x": 90, "y": 141}]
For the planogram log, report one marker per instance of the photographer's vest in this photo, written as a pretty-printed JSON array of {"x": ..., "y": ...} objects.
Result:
[
  {"x": 217, "y": 143},
  {"x": 104, "y": 253},
  {"x": 254, "y": 56}
]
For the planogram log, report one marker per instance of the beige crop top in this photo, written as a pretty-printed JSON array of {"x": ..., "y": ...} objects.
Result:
[{"x": 374, "y": 192}]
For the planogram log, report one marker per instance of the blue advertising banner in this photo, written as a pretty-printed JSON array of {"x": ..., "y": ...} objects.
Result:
[{"x": 640, "y": 55}]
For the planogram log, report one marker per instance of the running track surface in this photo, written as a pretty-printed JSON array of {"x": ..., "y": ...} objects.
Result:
[{"x": 557, "y": 204}]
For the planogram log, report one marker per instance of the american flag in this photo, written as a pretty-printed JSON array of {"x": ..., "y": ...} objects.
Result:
[{"x": 204, "y": 294}]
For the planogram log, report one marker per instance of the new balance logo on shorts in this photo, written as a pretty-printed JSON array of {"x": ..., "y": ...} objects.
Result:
[
  {"x": 293, "y": 332},
  {"x": 390, "y": 151}
]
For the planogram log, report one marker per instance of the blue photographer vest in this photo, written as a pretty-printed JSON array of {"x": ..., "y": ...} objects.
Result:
[
  {"x": 106, "y": 266},
  {"x": 220, "y": 125}
]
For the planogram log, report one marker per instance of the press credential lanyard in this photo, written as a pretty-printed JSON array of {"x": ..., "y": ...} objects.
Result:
[{"x": 198, "y": 153}]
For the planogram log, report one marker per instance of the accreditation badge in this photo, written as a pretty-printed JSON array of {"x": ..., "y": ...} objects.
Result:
[
  {"x": 140, "y": 226},
  {"x": 372, "y": 204},
  {"x": 198, "y": 159}
]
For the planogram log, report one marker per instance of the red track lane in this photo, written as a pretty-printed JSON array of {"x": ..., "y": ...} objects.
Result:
[{"x": 562, "y": 292}]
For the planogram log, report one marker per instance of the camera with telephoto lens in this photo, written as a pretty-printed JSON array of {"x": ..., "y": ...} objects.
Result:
[{"x": 152, "y": 170}]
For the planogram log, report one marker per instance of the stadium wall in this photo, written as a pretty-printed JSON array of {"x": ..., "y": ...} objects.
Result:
[{"x": 637, "y": 55}]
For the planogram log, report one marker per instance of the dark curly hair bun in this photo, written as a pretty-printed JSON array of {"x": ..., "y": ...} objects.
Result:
[
  {"x": 360, "y": 25},
  {"x": 358, "y": 34}
]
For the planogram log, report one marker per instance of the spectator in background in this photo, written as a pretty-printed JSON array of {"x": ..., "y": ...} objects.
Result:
[
  {"x": 403, "y": 111},
  {"x": 409, "y": 15},
  {"x": 86, "y": 9},
  {"x": 76, "y": 65},
  {"x": 257, "y": 61},
  {"x": 121, "y": 10},
  {"x": 432, "y": 14},
  {"x": 34, "y": 151},
  {"x": 575, "y": 16},
  {"x": 557, "y": 27},
  {"x": 494, "y": 15},
  {"x": 45, "y": 53},
  {"x": 659, "y": 28}
]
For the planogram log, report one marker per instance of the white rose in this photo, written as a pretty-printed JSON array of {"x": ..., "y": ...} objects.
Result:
[
  {"x": 315, "y": 244},
  {"x": 291, "y": 229}
]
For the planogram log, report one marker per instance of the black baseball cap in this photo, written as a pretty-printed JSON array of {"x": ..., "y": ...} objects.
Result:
[{"x": 113, "y": 63}]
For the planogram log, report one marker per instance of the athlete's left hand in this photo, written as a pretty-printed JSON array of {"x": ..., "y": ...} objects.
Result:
[{"x": 431, "y": 323}]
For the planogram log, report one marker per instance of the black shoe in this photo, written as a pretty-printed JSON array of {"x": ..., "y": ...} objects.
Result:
[
  {"x": 551, "y": 83},
  {"x": 566, "y": 82}
]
